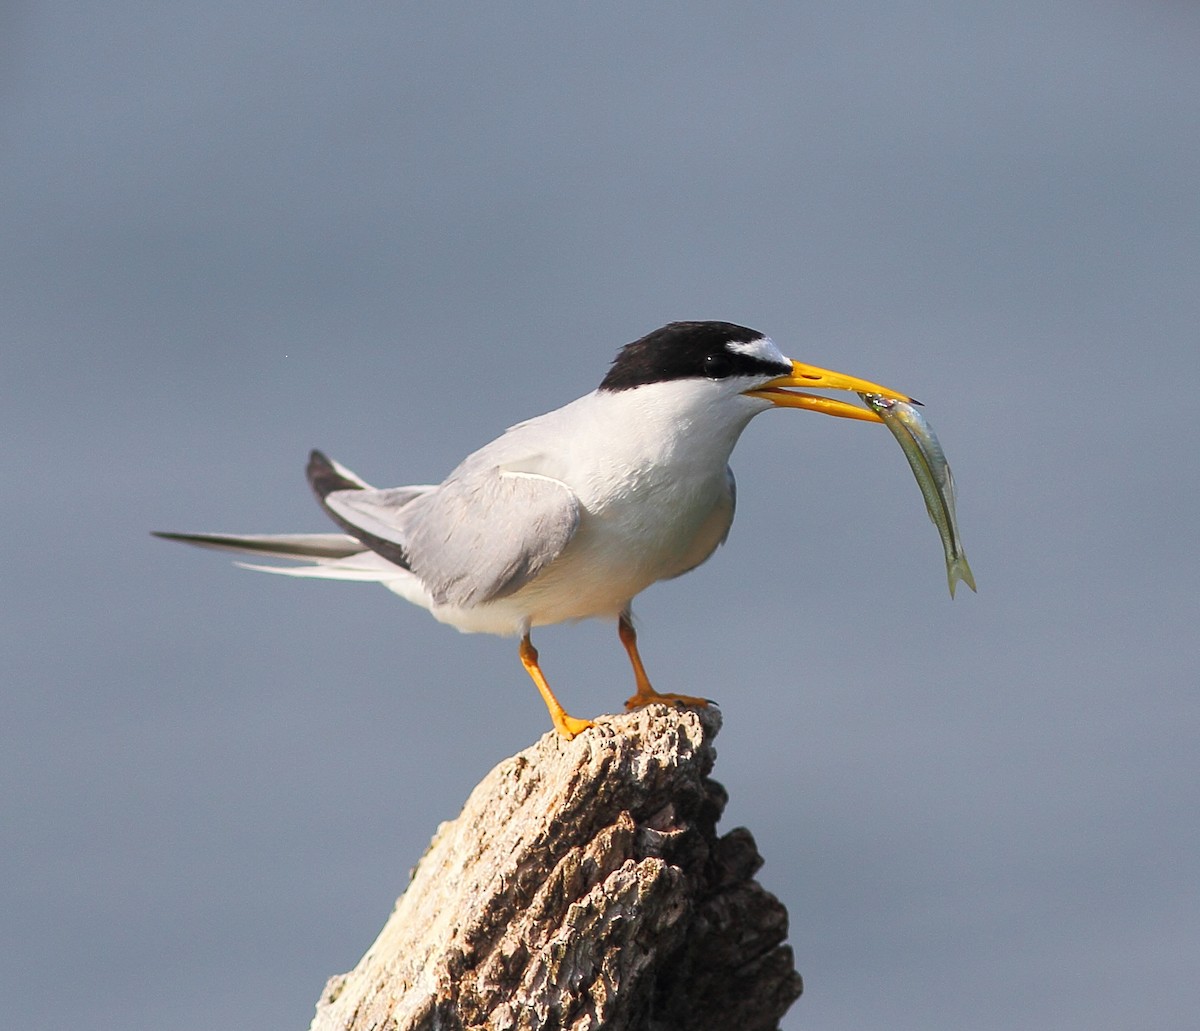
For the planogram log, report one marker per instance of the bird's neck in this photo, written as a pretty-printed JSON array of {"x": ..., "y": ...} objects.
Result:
[{"x": 677, "y": 425}]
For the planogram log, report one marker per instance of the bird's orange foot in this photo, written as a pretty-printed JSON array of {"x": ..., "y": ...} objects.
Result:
[
  {"x": 569, "y": 726},
  {"x": 678, "y": 700}
]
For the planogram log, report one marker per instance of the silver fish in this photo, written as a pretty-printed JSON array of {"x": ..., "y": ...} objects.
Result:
[{"x": 932, "y": 471}]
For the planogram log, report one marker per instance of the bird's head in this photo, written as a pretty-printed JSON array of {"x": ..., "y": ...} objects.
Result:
[{"x": 744, "y": 362}]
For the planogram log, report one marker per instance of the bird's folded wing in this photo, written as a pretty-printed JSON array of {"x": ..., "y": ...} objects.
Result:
[
  {"x": 474, "y": 539},
  {"x": 375, "y": 513},
  {"x": 319, "y": 547}
]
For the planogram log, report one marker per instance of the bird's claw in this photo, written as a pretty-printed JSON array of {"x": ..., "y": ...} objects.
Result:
[
  {"x": 641, "y": 699},
  {"x": 569, "y": 726}
]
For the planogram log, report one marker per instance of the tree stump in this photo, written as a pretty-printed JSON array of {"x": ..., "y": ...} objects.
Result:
[{"x": 583, "y": 887}]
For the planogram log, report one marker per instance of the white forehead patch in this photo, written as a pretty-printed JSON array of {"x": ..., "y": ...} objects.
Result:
[{"x": 763, "y": 348}]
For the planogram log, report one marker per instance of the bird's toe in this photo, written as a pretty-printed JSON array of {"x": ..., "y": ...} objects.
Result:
[{"x": 642, "y": 699}]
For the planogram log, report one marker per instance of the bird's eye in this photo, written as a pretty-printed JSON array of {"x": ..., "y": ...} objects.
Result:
[{"x": 717, "y": 365}]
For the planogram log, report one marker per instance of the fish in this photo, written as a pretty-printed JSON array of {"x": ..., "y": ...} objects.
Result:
[{"x": 924, "y": 453}]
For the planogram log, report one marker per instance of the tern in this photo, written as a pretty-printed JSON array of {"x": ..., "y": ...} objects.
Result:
[{"x": 569, "y": 515}]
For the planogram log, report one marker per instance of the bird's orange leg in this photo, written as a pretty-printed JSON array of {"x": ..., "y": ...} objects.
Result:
[
  {"x": 646, "y": 695},
  {"x": 567, "y": 726}
]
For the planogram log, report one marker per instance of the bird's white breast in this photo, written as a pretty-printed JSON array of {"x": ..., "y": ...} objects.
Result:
[{"x": 650, "y": 469}]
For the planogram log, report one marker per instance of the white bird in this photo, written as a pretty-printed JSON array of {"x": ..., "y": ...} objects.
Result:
[{"x": 573, "y": 513}]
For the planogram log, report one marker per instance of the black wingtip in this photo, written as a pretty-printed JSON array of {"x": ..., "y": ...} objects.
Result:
[
  {"x": 324, "y": 477},
  {"x": 200, "y": 540},
  {"x": 166, "y": 535}
]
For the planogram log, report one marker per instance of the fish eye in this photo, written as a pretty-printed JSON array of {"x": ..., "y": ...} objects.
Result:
[{"x": 717, "y": 365}]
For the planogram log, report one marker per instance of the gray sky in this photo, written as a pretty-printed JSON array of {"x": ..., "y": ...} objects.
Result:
[{"x": 233, "y": 232}]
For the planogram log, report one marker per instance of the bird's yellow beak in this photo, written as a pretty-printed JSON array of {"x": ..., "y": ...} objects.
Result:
[{"x": 810, "y": 376}]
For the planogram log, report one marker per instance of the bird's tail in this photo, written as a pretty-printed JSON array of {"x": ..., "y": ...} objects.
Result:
[
  {"x": 324, "y": 476},
  {"x": 358, "y": 555},
  {"x": 328, "y": 556}
]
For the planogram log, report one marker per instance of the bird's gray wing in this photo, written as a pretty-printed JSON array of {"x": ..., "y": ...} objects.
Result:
[
  {"x": 367, "y": 514},
  {"x": 494, "y": 524},
  {"x": 475, "y": 537},
  {"x": 485, "y": 536},
  {"x": 319, "y": 547},
  {"x": 376, "y": 517}
]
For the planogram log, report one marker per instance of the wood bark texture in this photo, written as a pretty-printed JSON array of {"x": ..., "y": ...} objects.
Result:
[{"x": 583, "y": 886}]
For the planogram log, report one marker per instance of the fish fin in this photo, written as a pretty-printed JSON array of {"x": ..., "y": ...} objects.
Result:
[{"x": 957, "y": 569}]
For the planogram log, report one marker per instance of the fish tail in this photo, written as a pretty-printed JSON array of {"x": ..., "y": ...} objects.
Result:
[{"x": 957, "y": 569}]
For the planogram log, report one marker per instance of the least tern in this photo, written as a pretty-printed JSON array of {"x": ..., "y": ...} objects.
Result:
[{"x": 573, "y": 513}]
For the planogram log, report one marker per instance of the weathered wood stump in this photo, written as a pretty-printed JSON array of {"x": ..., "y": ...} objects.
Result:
[{"x": 583, "y": 886}]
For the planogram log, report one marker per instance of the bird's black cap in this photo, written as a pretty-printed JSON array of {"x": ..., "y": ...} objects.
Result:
[{"x": 688, "y": 350}]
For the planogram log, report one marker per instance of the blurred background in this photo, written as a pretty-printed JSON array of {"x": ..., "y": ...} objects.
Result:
[{"x": 233, "y": 232}]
